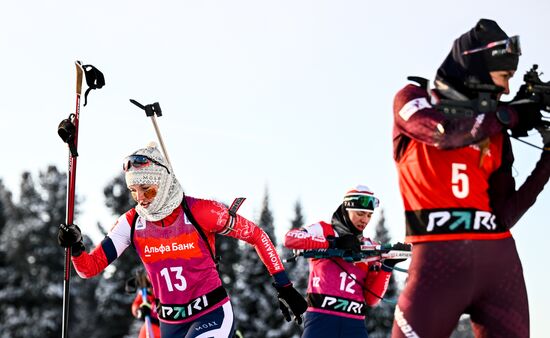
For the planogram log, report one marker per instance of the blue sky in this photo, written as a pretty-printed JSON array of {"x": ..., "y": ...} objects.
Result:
[{"x": 295, "y": 96}]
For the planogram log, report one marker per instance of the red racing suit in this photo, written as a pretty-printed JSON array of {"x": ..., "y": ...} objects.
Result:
[
  {"x": 175, "y": 241},
  {"x": 334, "y": 282},
  {"x": 460, "y": 199}
]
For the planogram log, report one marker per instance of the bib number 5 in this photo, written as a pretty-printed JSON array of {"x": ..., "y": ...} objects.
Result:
[{"x": 459, "y": 180}]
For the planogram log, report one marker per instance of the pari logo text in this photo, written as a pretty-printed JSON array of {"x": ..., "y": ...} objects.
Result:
[
  {"x": 343, "y": 305},
  {"x": 455, "y": 220}
]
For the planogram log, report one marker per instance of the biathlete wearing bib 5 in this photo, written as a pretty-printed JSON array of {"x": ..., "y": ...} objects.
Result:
[{"x": 460, "y": 197}]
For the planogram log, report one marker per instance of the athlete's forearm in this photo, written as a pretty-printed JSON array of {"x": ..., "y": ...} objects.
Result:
[
  {"x": 508, "y": 204},
  {"x": 377, "y": 283},
  {"x": 252, "y": 234},
  {"x": 88, "y": 265},
  {"x": 416, "y": 118},
  {"x": 303, "y": 240}
]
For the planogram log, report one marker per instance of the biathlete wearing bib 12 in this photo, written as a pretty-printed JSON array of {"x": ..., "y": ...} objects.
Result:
[{"x": 339, "y": 291}]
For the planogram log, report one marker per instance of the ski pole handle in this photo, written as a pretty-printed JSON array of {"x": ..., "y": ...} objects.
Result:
[
  {"x": 79, "y": 76},
  {"x": 153, "y": 110}
]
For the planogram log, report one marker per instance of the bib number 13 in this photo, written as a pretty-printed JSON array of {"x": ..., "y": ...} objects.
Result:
[
  {"x": 460, "y": 181},
  {"x": 174, "y": 278}
]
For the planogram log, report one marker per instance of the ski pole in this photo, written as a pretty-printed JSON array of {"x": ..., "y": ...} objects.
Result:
[
  {"x": 151, "y": 110},
  {"x": 141, "y": 280},
  {"x": 148, "y": 325},
  {"x": 68, "y": 131}
]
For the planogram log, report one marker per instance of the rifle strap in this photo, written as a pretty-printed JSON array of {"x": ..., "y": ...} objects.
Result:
[
  {"x": 364, "y": 287},
  {"x": 228, "y": 227},
  {"x": 191, "y": 218}
]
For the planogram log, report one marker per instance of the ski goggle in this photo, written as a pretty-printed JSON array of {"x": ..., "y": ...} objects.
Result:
[
  {"x": 363, "y": 202},
  {"x": 139, "y": 161},
  {"x": 511, "y": 46},
  {"x": 148, "y": 193}
]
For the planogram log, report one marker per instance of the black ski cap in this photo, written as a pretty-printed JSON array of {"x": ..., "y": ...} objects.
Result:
[{"x": 457, "y": 67}]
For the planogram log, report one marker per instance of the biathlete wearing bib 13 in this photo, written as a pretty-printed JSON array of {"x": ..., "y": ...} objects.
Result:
[
  {"x": 179, "y": 265},
  {"x": 173, "y": 235}
]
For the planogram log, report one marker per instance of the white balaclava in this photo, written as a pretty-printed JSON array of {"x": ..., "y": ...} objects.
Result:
[{"x": 170, "y": 192}]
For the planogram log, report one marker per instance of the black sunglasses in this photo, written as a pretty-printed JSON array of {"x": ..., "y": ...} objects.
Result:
[{"x": 138, "y": 161}]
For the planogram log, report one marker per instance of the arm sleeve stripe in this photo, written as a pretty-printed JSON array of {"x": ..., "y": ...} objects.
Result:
[{"x": 109, "y": 250}]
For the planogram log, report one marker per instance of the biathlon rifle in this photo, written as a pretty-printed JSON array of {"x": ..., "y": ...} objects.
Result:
[
  {"x": 533, "y": 90},
  {"x": 484, "y": 102},
  {"x": 537, "y": 90},
  {"x": 368, "y": 253}
]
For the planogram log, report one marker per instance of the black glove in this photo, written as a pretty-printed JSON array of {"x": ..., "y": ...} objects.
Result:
[
  {"x": 69, "y": 236},
  {"x": 346, "y": 242},
  {"x": 390, "y": 262},
  {"x": 529, "y": 116},
  {"x": 402, "y": 246},
  {"x": 291, "y": 300},
  {"x": 523, "y": 93},
  {"x": 143, "y": 311},
  {"x": 545, "y": 133}
]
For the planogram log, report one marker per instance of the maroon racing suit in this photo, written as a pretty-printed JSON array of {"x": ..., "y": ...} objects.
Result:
[{"x": 460, "y": 200}]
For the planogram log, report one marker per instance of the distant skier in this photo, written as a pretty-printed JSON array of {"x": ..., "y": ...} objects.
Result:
[
  {"x": 339, "y": 291},
  {"x": 174, "y": 236},
  {"x": 142, "y": 309}
]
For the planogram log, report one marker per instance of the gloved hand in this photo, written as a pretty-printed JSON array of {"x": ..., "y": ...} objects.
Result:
[
  {"x": 390, "y": 262},
  {"x": 529, "y": 116},
  {"x": 346, "y": 242},
  {"x": 143, "y": 311},
  {"x": 545, "y": 133},
  {"x": 402, "y": 246},
  {"x": 69, "y": 236},
  {"x": 522, "y": 93},
  {"x": 291, "y": 300}
]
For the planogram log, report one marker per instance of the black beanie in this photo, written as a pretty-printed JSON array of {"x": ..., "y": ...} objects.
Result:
[
  {"x": 488, "y": 31},
  {"x": 457, "y": 68}
]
